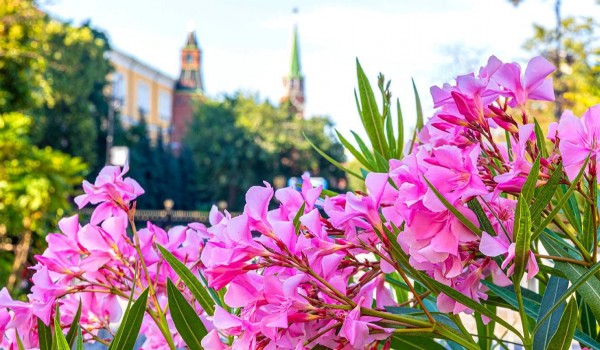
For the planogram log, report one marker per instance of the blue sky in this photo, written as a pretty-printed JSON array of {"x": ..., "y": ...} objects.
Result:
[{"x": 247, "y": 44}]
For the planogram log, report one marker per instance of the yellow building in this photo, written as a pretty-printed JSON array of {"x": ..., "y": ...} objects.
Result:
[{"x": 142, "y": 90}]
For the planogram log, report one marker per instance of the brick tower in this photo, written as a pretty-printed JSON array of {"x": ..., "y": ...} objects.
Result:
[
  {"x": 294, "y": 82},
  {"x": 188, "y": 88}
]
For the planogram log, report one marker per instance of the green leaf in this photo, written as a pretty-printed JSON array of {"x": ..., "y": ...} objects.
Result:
[
  {"x": 560, "y": 203},
  {"x": 298, "y": 216},
  {"x": 571, "y": 210},
  {"x": 587, "y": 237},
  {"x": 79, "y": 340},
  {"x": 529, "y": 186},
  {"x": 539, "y": 137},
  {"x": 74, "y": 326},
  {"x": 588, "y": 320},
  {"x": 582, "y": 279},
  {"x": 60, "y": 341},
  {"x": 130, "y": 325},
  {"x": 331, "y": 160},
  {"x": 400, "y": 139},
  {"x": 555, "y": 288},
  {"x": 365, "y": 150},
  {"x": 532, "y": 306},
  {"x": 406, "y": 341},
  {"x": 485, "y": 332},
  {"x": 391, "y": 138},
  {"x": 566, "y": 329},
  {"x": 546, "y": 192},
  {"x": 470, "y": 303},
  {"x": 419, "y": 107},
  {"x": 531, "y": 300},
  {"x": 19, "y": 342},
  {"x": 186, "y": 320},
  {"x": 372, "y": 121},
  {"x": 44, "y": 335},
  {"x": 350, "y": 147},
  {"x": 198, "y": 291},
  {"x": 484, "y": 221},
  {"x": 455, "y": 211},
  {"x": 522, "y": 236}
]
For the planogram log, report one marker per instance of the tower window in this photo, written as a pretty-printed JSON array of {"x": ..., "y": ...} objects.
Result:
[{"x": 188, "y": 58}]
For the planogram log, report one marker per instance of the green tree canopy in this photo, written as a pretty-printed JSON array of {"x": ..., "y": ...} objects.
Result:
[{"x": 240, "y": 141}]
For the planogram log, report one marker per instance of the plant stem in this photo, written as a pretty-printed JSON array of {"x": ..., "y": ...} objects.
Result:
[{"x": 526, "y": 337}]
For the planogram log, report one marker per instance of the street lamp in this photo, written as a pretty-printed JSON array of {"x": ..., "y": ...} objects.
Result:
[
  {"x": 114, "y": 103},
  {"x": 168, "y": 204}
]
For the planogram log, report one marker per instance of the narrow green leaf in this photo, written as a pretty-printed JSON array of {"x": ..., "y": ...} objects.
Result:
[
  {"x": 391, "y": 138},
  {"x": 588, "y": 227},
  {"x": 532, "y": 306},
  {"x": 405, "y": 341},
  {"x": 588, "y": 320},
  {"x": 365, "y": 151},
  {"x": 383, "y": 165},
  {"x": 331, "y": 160},
  {"x": 485, "y": 332},
  {"x": 372, "y": 121},
  {"x": 400, "y": 139},
  {"x": 546, "y": 193},
  {"x": 566, "y": 329},
  {"x": 529, "y": 186},
  {"x": 130, "y": 325},
  {"x": 198, "y": 291},
  {"x": 350, "y": 147},
  {"x": 74, "y": 326},
  {"x": 508, "y": 145},
  {"x": 420, "y": 122},
  {"x": 522, "y": 236},
  {"x": 582, "y": 279},
  {"x": 44, "y": 335},
  {"x": 60, "y": 341},
  {"x": 19, "y": 342},
  {"x": 531, "y": 300},
  {"x": 555, "y": 288},
  {"x": 470, "y": 303},
  {"x": 484, "y": 221},
  {"x": 539, "y": 137},
  {"x": 454, "y": 211},
  {"x": 186, "y": 320},
  {"x": 298, "y": 216},
  {"x": 560, "y": 203},
  {"x": 571, "y": 209},
  {"x": 79, "y": 340}
]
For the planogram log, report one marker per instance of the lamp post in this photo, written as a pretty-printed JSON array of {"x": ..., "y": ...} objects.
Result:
[
  {"x": 168, "y": 204},
  {"x": 114, "y": 103}
]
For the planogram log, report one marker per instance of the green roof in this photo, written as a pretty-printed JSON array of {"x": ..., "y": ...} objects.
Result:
[{"x": 295, "y": 70}]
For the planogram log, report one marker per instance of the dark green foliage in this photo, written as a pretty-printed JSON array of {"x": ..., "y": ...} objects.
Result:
[{"x": 239, "y": 142}]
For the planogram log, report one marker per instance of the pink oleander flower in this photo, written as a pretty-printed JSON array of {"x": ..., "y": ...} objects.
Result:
[
  {"x": 533, "y": 85},
  {"x": 580, "y": 138},
  {"x": 111, "y": 191},
  {"x": 500, "y": 245}
]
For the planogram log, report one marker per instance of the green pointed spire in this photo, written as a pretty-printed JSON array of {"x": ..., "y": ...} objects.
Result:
[{"x": 295, "y": 70}]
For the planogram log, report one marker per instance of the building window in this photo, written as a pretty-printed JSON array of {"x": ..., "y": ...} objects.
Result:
[
  {"x": 143, "y": 97},
  {"x": 119, "y": 87},
  {"x": 164, "y": 106}
]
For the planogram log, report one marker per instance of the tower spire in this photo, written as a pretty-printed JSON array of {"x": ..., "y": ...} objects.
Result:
[{"x": 294, "y": 82}]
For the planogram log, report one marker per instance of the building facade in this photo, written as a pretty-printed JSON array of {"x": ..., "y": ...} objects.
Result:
[
  {"x": 165, "y": 103},
  {"x": 142, "y": 92}
]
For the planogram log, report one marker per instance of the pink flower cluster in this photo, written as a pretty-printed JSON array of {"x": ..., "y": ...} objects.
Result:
[
  {"x": 98, "y": 265},
  {"x": 312, "y": 269},
  {"x": 295, "y": 275}
]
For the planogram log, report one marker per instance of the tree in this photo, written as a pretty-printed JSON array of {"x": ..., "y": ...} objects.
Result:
[
  {"x": 22, "y": 65},
  {"x": 35, "y": 189},
  {"x": 241, "y": 141},
  {"x": 576, "y": 81},
  {"x": 77, "y": 70}
]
